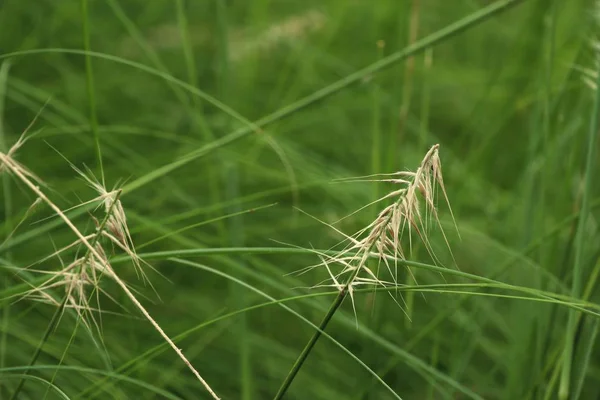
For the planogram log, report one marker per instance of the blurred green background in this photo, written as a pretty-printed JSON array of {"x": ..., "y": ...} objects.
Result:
[{"x": 508, "y": 99}]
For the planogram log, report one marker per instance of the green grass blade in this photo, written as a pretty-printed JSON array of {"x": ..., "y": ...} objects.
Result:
[
  {"x": 7, "y": 198},
  {"x": 51, "y": 327},
  {"x": 91, "y": 92},
  {"x": 580, "y": 246}
]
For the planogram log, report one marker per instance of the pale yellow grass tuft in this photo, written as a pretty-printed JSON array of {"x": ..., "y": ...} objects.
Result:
[
  {"x": 292, "y": 28},
  {"x": 241, "y": 42}
]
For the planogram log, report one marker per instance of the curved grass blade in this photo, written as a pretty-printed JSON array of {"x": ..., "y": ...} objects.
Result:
[{"x": 250, "y": 127}]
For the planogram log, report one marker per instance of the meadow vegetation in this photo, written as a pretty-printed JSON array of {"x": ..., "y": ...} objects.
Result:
[{"x": 299, "y": 199}]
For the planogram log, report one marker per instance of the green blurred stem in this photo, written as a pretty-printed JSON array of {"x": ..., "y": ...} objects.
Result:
[
  {"x": 339, "y": 299},
  {"x": 313, "y": 340},
  {"x": 376, "y": 143},
  {"x": 51, "y": 326},
  {"x": 8, "y": 206},
  {"x": 90, "y": 87},
  {"x": 578, "y": 268}
]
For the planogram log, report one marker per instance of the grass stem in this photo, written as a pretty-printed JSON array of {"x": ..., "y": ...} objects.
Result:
[
  {"x": 580, "y": 242},
  {"x": 89, "y": 73}
]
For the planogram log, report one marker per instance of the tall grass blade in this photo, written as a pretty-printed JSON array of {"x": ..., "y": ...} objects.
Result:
[
  {"x": 566, "y": 378},
  {"x": 91, "y": 92}
]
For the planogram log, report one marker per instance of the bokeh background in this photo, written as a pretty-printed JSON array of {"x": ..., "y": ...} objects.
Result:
[{"x": 509, "y": 99}]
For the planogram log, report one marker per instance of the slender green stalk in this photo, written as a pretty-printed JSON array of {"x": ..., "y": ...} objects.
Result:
[
  {"x": 411, "y": 278},
  {"x": 527, "y": 353},
  {"x": 425, "y": 100},
  {"x": 376, "y": 150},
  {"x": 376, "y": 163},
  {"x": 409, "y": 68},
  {"x": 90, "y": 86},
  {"x": 233, "y": 233},
  {"x": 51, "y": 326},
  {"x": 196, "y": 109},
  {"x": 376, "y": 168},
  {"x": 4, "y": 69},
  {"x": 64, "y": 354},
  {"x": 423, "y": 137},
  {"x": 435, "y": 351},
  {"x": 589, "y": 329},
  {"x": 223, "y": 77},
  {"x": 191, "y": 69},
  {"x": 544, "y": 318},
  {"x": 553, "y": 358},
  {"x": 339, "y": 299},
  {"x": 580, "y": 242},
  {"x": 8, "y": 204}
]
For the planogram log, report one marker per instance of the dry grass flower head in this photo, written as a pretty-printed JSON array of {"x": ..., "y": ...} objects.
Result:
[
  {"x": 81, "y": 278},
  {"x": 411, "y": 214}
]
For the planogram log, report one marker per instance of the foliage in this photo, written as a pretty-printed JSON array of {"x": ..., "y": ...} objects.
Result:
[{"x": 206, "y": 153}]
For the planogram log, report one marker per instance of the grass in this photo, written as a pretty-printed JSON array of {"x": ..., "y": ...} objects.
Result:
[{"x": 233, "y": 134}]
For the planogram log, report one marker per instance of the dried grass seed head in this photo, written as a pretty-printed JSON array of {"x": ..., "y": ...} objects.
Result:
[{"x": 386, "y": 236}]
